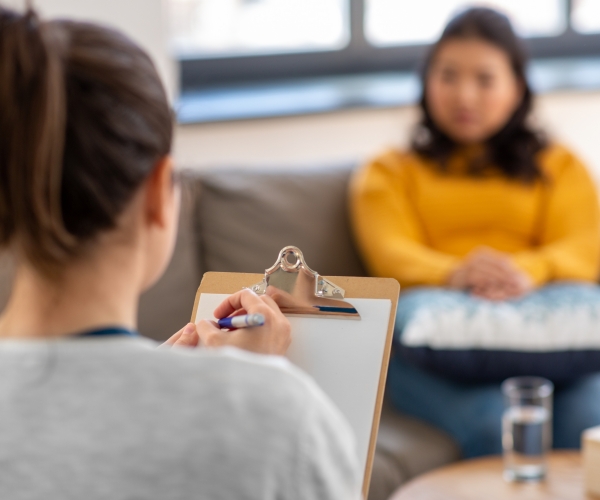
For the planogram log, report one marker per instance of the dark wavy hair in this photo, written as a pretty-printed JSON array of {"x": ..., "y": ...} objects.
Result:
[{"x": 513, "y": 149}]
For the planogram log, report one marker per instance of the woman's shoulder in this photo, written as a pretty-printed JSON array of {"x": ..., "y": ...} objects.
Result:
[
  {"x": 394, "y": 159},
  {"x": 182, "y": 374},
  {"x": 200, "y": 383},
  {"x": 229, "y": 368},
  {"x": 289, "y": 402},
  {"x": 266, "y": 383},
  {"x": 557, "y": 160},
  {"x": 196, "y": 401},
  {"x": 393, "y": 165}
]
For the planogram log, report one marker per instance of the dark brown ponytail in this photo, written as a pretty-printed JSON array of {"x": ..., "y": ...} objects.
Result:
[
  {"x": 83, "y": 120},
  {"x": 32, "y": 130}
]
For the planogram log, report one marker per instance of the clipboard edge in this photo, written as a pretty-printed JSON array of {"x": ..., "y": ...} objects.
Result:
[{"x": 381, "y": 390}]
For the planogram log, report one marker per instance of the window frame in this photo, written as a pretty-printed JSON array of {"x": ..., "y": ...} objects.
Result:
[{"x": 358, "y": 56}]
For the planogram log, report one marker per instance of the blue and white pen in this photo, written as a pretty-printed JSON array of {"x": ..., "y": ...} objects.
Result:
[{"x": 245, "y": 321}]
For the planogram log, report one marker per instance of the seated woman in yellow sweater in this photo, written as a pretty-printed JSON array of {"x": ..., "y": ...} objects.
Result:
[
  {"x": 481, "y": 203},
  {"x": 495, "y": 233}
]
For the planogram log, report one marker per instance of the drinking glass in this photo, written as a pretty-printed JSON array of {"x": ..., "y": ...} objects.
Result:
[{"x": 526, "y": 427}]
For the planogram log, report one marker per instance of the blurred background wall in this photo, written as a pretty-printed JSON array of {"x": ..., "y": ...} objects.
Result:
[
  {"x": 572, "y": 117},
  {"x": 143, "y": 20},
  {"x": 224, "y": 31}
]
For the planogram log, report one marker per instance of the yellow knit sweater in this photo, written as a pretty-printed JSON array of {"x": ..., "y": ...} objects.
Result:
[{"x": 415, "y": 224}]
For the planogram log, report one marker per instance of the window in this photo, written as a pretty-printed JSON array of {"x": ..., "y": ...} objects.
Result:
[
  {"x": 586, "y": 16},
  {"x": 231, "y": 42},
  {"x": 393, "y": 22},
  {"x": 214, "y": 28}
]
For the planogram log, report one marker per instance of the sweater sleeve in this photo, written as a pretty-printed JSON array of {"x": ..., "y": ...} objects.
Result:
[
  {"x": 569, "y": 232},
  {"x": 388, "y": 231}
]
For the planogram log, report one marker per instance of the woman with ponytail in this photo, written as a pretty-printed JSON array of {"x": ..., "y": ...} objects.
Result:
[{"x": 88, "y": 208}]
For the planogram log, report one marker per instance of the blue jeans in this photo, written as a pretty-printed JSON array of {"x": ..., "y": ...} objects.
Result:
[{"x": 471, "y": 413}]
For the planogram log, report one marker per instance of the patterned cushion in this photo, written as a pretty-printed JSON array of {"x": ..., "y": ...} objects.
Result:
[{"x": 553, "y": 333}]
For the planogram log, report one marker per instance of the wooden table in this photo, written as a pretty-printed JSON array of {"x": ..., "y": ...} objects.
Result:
[{"x": 481, "y": 479}]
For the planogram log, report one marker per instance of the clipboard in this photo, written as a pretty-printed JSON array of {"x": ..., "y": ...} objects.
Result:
[{"x": 354, "y": 288}]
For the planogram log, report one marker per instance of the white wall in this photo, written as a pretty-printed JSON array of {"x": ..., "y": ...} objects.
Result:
[
  {"x": 142, "y": 20},
  {"x": 329, "y": 138},
  {"x": 571, "y": 117}
]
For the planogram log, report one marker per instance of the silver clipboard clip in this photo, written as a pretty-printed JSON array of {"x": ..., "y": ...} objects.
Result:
[{"x": 299, "y": 290}]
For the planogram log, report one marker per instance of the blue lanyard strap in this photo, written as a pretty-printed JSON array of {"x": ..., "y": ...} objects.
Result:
[{"x": 103, "y": 332}]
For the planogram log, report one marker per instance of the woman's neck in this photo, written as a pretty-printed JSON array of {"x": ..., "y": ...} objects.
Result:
[{"x": 91, "y": 293}]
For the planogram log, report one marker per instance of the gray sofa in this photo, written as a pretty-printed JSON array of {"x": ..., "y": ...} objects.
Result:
[{"x": 238, "y": 220}]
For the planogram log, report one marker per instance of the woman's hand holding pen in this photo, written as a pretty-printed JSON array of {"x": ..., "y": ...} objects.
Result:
[
  {"x": 491, "y": 275},
  {"x": 272, "y": 338}
]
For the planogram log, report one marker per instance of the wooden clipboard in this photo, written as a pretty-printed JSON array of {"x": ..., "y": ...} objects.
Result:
[{"x": 363, "y": 288}]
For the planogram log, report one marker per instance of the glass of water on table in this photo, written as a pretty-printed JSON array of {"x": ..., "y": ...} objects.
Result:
[{"x": 526, "y": 427}]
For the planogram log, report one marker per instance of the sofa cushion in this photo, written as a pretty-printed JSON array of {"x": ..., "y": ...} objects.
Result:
[{"x": 246, "y": 218}]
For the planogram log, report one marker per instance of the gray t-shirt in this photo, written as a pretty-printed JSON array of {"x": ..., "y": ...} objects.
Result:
[{"x": 115, "y": 418}]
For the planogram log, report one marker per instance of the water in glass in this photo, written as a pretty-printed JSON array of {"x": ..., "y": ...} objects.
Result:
[{"x": 526, "y": 437}]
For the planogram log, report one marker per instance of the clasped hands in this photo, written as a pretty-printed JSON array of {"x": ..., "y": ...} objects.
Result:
[{"x": 491, "y": 275}]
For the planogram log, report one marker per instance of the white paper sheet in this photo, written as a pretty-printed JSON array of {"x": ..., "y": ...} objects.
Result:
[{"x": 344, "y": 356}]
